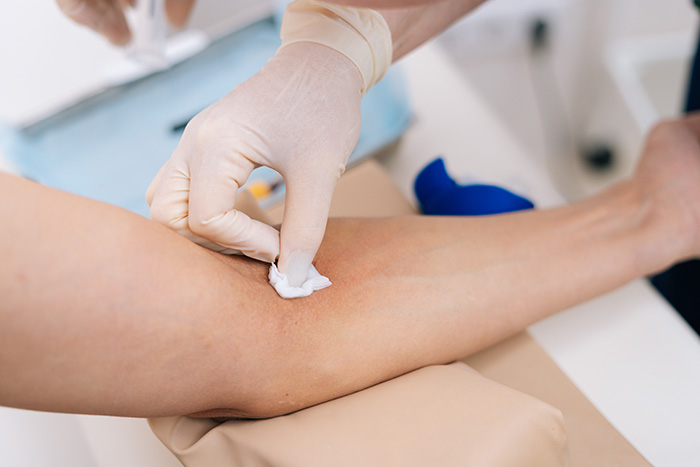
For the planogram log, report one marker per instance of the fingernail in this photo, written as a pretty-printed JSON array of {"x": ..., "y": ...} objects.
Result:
[{"x": 296, "y": 268}]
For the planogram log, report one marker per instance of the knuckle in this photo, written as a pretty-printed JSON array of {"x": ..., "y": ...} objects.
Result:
[
  {"x": 158, "y": 215},
  {"x": 209, "y": 125},
  {"x": 232, "y": 228},
  {"x": 203, "y": 224},
  {"x": 205, "y": 130},
  {"x": 168, "y": 215},
  {"x": 163, "y": 217}
]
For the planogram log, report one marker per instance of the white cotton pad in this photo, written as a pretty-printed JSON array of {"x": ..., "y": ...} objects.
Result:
[{"x": 314, "y": 281}]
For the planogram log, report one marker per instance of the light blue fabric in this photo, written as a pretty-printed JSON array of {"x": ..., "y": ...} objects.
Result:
[{"x": 111, "y": 148}]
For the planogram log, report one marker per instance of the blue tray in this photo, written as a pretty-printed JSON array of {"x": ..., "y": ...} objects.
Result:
[{"x": 110, "y": 147}]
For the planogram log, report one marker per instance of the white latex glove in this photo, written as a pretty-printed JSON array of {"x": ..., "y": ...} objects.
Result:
[{"x": 299, "y": 115}]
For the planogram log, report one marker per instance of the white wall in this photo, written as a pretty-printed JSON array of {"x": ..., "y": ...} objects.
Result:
[{"x": 628, "y": 32}]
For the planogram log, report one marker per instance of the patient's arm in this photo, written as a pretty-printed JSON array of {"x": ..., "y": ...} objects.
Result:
[{"x": 103, "y": 311}]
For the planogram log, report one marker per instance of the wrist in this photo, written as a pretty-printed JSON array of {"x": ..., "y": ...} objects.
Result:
[
  {"x": 660, "y": 233},
  {"x": 323, "y": 62},
  {"x": 361, "y": 35},
  {"x": 674, "y": 226}
]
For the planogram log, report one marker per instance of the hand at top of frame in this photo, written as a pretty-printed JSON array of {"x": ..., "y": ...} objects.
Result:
[
  {"x": 669, "y": 176},
  {"x": 107, "y": 16}
]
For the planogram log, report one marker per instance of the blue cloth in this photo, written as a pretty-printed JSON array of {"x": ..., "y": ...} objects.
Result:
[
  {"x": 111, "y": 146},
  {"x": 439, "y": 194}
]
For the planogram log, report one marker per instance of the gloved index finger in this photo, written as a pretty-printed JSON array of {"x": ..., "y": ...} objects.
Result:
[
  {"x": 153, "y": 187},
  {"x": 212, "y": 208},
  {"x": 307, "y": 204}
]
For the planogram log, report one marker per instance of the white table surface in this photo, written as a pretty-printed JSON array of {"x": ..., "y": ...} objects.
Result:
[{"x": 628, "y": 351}]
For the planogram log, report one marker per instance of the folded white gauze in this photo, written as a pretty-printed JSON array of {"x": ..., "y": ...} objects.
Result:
[
  {"x": 360, "y": 34},
  {"x": 314, "y": 281}
]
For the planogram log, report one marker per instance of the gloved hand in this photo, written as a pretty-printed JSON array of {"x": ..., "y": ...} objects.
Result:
[
  {"x": 107, "y": 16},
  {"x": 299, "y": 115}
]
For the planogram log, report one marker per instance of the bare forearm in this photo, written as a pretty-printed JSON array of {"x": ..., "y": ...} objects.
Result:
[
  {"x": 106, "y": 312},
  {"x": 103, "y": 311},
  {"x": 419, "y": 291}
]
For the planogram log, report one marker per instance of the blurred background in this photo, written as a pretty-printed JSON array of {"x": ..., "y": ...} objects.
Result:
[{"x": 579, "y": 81}]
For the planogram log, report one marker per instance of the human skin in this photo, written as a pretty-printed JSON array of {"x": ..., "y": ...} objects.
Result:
[
  {"x": 106, "y": 312},
  {"x": 412, "y": 25},
  {"x": 107, "y": 18}
]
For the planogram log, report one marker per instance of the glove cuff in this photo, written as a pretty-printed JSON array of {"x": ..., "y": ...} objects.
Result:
[{"x": 360, "y": 34}]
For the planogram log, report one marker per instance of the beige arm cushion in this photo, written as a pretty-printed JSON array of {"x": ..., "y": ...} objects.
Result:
[{"x": 446, "y": 415}]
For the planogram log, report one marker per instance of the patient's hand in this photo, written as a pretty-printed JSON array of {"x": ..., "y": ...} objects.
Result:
[{"x": 669, "y": 172}]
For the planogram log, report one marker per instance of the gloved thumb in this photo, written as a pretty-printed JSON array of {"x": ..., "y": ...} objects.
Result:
[{"x": 303, "y": 226}]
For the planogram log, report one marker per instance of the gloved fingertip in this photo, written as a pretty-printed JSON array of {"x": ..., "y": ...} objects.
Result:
[{"x": 296, "y": 267}]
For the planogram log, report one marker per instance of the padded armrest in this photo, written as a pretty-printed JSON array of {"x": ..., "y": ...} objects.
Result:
[{"x": 438, "y": 415}]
